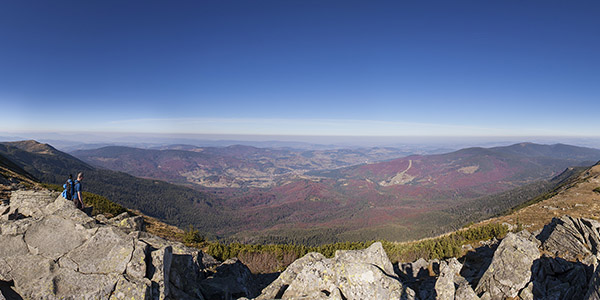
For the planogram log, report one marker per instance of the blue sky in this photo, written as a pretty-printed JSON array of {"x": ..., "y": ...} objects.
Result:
[{"x": 370, "y": 68}]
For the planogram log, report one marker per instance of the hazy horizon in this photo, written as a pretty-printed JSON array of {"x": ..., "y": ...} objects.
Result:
[{"x": 70, "y": 141}]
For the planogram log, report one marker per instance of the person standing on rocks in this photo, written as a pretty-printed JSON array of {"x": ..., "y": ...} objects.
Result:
[{"x": 78, "y": 189}]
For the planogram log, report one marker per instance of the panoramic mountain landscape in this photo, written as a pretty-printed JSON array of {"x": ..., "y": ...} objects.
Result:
[
  {"x": 298, "y": 150},
  {"x": 399, "y": 199},
  {"x": 554, "y": 257}
]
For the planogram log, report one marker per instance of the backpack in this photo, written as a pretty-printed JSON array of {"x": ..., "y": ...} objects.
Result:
[{"x": 69, "y": 187}]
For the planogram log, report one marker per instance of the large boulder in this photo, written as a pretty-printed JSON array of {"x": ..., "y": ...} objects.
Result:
[
  {"x": 187, "y": 272},
  {"x": 126, "y": 222},
  {"x": 187, "y": 269},
  {"x": 231, "y": 280},
  {"x": 444, "y": 286},
  {"x": 571, "y": 238},
  {"x": 359, "y": 274},
  {"x": 593, "y": 290},
  {"x": 557, "y": 278},
  {"x": 464, "y": 291},
  {"x": 137, "y": 266},
  {"x": 276, "y": 289},
  {"x": 510, "y": 269},
  {"x": 127, "y": 289},
  {"x": 159, "y": 271}
]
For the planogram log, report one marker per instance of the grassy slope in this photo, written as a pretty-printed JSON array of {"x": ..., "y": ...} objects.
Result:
[{"x": 575, "y": 197}]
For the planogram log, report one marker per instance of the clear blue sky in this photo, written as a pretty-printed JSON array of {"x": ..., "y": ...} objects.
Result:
[{"x": 301, "y": 67}]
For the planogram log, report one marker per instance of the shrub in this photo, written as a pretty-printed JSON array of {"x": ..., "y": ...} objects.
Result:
[
  {"x": 192, "y": 236},
  {"x": 597, "y": 190}
]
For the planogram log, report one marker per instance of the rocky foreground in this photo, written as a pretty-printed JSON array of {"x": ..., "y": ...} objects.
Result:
[{"x": 51, "y": 250}]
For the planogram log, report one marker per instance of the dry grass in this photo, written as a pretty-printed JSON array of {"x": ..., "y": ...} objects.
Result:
[
  {"x": 163, "y": 230},
  {"x": 579, "y": 201}
]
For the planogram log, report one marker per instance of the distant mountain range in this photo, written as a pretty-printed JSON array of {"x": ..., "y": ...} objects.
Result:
[
  {"x": 409, "y": 197},
  {"x": 233, "y": 166},
  {"x": 309, "y": 198}
]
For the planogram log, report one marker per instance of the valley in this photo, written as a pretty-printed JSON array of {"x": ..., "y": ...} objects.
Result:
[
  {"x": 234, "y": 166},
  {"x": 313, "y": 197}
]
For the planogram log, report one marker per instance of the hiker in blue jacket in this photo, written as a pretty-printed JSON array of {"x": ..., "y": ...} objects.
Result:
[{"x": 78, "y": 190}]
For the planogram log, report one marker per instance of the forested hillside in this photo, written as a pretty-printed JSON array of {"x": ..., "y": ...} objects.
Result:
[{"x": 174, "y": 204}]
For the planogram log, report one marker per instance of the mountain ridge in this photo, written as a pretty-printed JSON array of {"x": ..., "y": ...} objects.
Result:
[{"x": 313, "y": 210}]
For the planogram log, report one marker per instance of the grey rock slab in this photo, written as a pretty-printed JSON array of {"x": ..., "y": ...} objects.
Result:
[
  {"x": 127, "y": 289},
  {"x": 42, "y": 237},
  {"x": 186, "y": 272},
  {"x": 101, "y": 218},
  {"x": 231, "y": 279},
  {"x": 312, "y": 280},
  {"x": 365, "y": 280},
  {"x": 136, "y": 268},
  {"x": 122, "y": 216},
  {"x": 444, "y": 286},
  {"x": 68, "y": 284},
  {"x": 31, "y": 203},
  {"x": 374, "y": 255},
  {"x": 67, "y": 263},
  {"x": 561, "y": 278},
  {"x": 160, "y": 270},
  {"x": 11, "y": 245},
  {"x": 5, "y": 270},
  {"x": 510, "y": 269},
  {"x": 29, "y": 273},
  {"x": 207, "y": 260},
  {"x": 571, "y": 238},
  {"x": 277, "y": 287},
  {"x": 464, "y": 291},
  {"x": 177, "y": 247},
  {"x": 66, "y": 209},
  {"x": 527, "y": 292},
  {"x": 593, "y": 291},
  {"x": 152, "y": 240},
  {"x": 127, "y": 223},
  {"x": 108, "y": 251},
  {"x": 16, "y": 227}
]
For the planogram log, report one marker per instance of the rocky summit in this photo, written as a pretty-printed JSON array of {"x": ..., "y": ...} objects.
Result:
[{"x": 51, "y": 250}]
